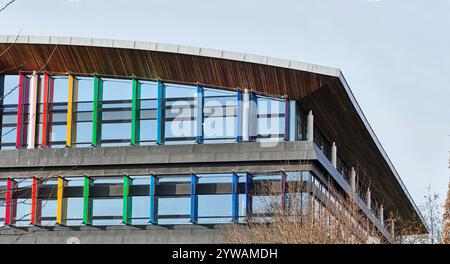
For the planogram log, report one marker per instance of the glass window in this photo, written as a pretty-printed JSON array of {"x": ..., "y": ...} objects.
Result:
[
  {"x": 107, "y": 210},
  {"x": 24, "y": 204},
  {"x": 220, "y": 110},
  {"x": 8, "y": 113},
  {"x": 49, "y": 206},
  {"x": 2, "y": 203},
  {"x": 180, "y": 115},
  {"x": 208, "y": 210},
  {"x": 173, "y": 209},
  {"x": 83, "y": 114},
  {"x": 149, "y": 95},
  {"x": 266, "y": 199},
  {"x": 75, "y": 204},
  {"x": 116, "y": 112},
  {"x": 11, "y": 90},
  {"x": 140, "y": 209},
  {"x": 58, "y": 112},
  {"x": 39, "y": 110},
  {"x": 271, "y": 118}
]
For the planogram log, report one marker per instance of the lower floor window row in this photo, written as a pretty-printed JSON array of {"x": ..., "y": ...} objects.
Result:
[{"x": 150, "y": 199}]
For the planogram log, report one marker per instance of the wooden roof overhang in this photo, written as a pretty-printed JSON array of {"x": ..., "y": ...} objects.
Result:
[{"x": 320, "y": 89}]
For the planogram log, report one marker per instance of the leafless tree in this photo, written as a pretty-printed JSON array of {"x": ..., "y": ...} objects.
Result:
[{"x": 336, "y": 221}]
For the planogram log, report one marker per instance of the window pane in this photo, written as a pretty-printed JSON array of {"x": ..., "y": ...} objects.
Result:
[
  {"x": 115, "y": 89},
  {"x": 60, "y": 93},
  {"x": 75, "y": 204},
  {"x": 271, "y": 119},
  {"x": 149, "y": 90},
  {"x": 173, "y": 210}
]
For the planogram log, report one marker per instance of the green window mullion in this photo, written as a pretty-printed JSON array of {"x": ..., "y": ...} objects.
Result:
[
  {"x": 127, "y": 200},
  {"x": 135, "y": 113},
  {"x": 96, "y": 113},
  {"x": 87, "y": 201}
]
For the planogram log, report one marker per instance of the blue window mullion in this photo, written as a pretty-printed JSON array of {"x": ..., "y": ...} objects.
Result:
[
  {"x": 248, "y": 196},
  {"x": 239, "y": 116},
  {"x": 235, "y": 198},
  {"x": 253, "y": 117},
  {"x": 153, "y": 200},
  {"x": 194, "y": 199},
  {"x": 200, "y": 117},
  {"x": 160, "y": 129}
]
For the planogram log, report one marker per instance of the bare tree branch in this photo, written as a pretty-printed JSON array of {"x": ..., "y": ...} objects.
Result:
[{"x": 6, "y": 6}]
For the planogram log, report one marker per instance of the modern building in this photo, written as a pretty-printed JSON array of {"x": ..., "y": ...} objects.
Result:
[{"x": 126, "y": 141}]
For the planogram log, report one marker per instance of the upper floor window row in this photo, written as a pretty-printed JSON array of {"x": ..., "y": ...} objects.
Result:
[{"x": 69, "y": 111}]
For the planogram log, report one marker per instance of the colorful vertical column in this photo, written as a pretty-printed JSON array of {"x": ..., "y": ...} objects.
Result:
[
  {"x": 71, "y": 135},
  {"x": 136, "y": 113},
  {"x": 153, "y": 200},
  {"x": 22, "y": 103},
  {"x": 283, "y": 190},
  {"x": 235, "y": 198},
  {"x": 36, "y": 203},
  {"x": 248, "y": 196},
  {"x": 292, "y": 119},
  {"x": 2, "y": 93},
  {"x": 127, "y": 215},
  {"x": 160, "y": 129},
  {"x": 194, "y": 199},
  {"x": 61, "y": 206},
  {"x": 245, "y": 116},
  {"x": 87, "y": 201},
  {"x": 47, "y": 109},
  {"x": 239, "y": 116},
  {"x": 200, "y": 117},
  {"x": 11, "y": 202},
  {"x": 253, "y": 117},
  {"x": 97, "y": 112},
  {"x": 32, "y": 113},
  {"x": 286, "y": 119}
]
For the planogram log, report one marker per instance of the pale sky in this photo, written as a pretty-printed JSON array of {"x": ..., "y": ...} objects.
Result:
[{"x": 395, "y": 54}]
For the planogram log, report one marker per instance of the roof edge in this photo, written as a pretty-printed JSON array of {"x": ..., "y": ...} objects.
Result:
[
  {"x": 380, "y": 147},
  {"x": 171, "y": 48}
]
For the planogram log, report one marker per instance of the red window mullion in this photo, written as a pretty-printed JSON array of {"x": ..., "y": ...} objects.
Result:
[
  {"x": 11, "y": 204},
  {"x": 36, "y": 203},
  {"x": 46, "y": 111}
]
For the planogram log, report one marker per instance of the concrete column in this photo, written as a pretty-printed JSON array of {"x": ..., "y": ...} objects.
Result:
[
  {"x": 246, "y": 116},
  {"x": 353, "y": 179},
  {"x": 382, "y": 215},
  {"x": 32, "y": 111},
  {"x": 368, "y": 199},
  {"x": 310, "y": 127},
  {"x": 334, "y": 155}
]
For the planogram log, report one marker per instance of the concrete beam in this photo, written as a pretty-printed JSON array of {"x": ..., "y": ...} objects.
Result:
[
  {"x": 154, "y": 155},
  {"x": 150, "y": 234}
]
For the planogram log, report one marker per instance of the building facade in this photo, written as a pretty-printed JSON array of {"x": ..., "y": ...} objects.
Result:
[{"x": 126, "y": 141}]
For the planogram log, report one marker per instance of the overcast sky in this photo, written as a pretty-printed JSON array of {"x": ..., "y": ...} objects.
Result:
[{"x": 395, "y": 54}]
